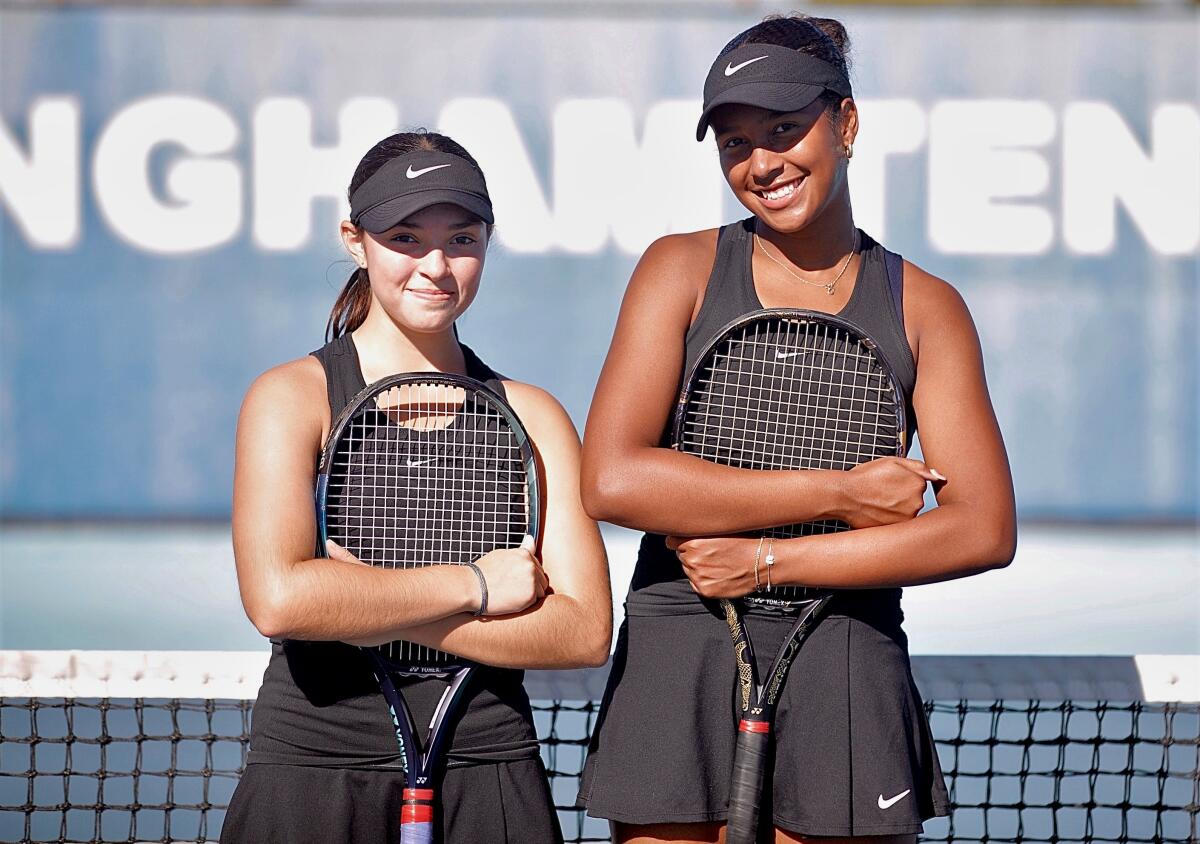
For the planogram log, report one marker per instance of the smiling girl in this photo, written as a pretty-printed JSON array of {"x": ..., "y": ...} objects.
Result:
[
  {"x": 853, "y": 756},
  {"x": 323, "y": 763}
]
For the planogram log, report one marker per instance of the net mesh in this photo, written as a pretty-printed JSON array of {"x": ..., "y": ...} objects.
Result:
[{"x": 1018, "y": 768}]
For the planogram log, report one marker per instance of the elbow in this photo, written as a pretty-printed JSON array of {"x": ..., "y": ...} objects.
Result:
[
  {"x": 598, "y": 647},
  {"x": 1000, "y": 546},
  {"x": 602, "y": 492},
  {"x": 590, "y": 646},
  {"x": 269, "y": 613}
]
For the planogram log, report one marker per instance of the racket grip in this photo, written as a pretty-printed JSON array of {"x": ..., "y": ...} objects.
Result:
[
  {"x": 416, "y": 816},
  {"x": 745, "y": 792}
]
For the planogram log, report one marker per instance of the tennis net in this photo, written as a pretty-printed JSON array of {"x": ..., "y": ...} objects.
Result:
[{"x": 148, "y": 746}]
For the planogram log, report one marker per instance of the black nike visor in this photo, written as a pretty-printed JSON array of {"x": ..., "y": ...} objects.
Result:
[
  {"x": 768, "y": 76},
  {"x": 417, "y": 180}
]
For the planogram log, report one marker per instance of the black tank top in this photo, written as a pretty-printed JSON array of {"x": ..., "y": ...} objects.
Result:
[
  {"x": 876, "y": 305},
  {"x": 319, "y": 704}
]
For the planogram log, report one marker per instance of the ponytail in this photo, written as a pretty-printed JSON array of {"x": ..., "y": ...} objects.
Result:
[{"x": 351, "y": 306}]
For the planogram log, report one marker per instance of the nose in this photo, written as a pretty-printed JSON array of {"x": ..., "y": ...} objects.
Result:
[
  {"x": 434, "y": 265},
  {"x": 765, "y": 165}
]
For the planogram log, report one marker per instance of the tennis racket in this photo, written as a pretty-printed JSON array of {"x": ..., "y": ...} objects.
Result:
[
  {"x": 423, "y": 469},
  {"x": 784, "y": 389}
]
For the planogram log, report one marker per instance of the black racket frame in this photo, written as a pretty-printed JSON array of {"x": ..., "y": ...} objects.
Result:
[
  {"x": 758, "y": 701},
  {"x": 420, "y": 766}
]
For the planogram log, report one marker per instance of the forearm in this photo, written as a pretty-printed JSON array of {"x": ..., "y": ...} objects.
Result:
[
  {"x": 663, "y": 491},
  {"x": 951, "y": 541},
  {"x": 559, "y": 631},
  {"x": 330, "y": 600}
]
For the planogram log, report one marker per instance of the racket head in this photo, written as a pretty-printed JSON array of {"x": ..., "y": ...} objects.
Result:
[
  {"x": 422, "y": 469},
  {"x": 787, "y": 388}
]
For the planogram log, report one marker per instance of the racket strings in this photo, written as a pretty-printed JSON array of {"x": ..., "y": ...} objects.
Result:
[
  {"x": 429, "y": 474},
  {"x": 788, "y": 393}
]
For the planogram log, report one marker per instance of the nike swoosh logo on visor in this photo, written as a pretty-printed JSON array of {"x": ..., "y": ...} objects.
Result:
[
  {"x": 892, "y": 801},
  {"x": 412, "y": 464},
  {"x": 731, "y": 68},
  {"x": 412, "y": 174}
]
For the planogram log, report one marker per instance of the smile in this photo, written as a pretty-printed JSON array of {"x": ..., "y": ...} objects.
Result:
[
  {"x": 781, "y": 192},
  {"x": 430, "y": 293}
]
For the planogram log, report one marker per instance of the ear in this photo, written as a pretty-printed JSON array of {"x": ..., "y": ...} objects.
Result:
[
  {"x": 849, "y": 121},
  {"x": 352, "y": 239}
]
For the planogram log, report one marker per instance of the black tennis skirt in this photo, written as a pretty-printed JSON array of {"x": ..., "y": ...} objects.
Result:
[
  {"x": 500, "y": 803},
  {"x": 853, "y": 754}
]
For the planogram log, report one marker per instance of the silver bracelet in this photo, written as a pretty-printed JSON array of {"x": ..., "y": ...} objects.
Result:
[
  {"x": 482, "y": 589},
  {"x": 770, "y": 560}
]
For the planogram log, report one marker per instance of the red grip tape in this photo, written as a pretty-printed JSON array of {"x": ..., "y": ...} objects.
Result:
[
  {"x": 754, "y": 726},
  {"x": 422, "y": 813}
]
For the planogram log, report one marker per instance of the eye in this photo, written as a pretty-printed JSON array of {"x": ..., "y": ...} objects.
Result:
[
  {"x": 730, "y": 143},
  {"x": 785, "y": 127},
  {"x": 463, "y": 240},
  {"x": 403, "y": 237}
]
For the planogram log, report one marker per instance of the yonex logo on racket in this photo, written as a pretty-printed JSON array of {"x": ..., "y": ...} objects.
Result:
[
  {"x": 412, "y": 174},
  {"x": 731, "y": 68}
]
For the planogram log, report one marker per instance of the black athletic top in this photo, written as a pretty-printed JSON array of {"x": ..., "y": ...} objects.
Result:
[
  {"x": 319, "y": 704},
  {"x": 876, "y": 306}
]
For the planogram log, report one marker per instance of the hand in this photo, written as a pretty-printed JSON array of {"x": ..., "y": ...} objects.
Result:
[
  {"x": 886, "y": 491},
  {"x": 717, "y": 566},
  {"x": 336, "y": 552},
  {"x": 515, "y": 579}
]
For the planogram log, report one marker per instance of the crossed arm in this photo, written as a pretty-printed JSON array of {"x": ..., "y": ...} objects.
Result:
[
  {"x": 630, "y": 479},
  {"x": 552, "y": 612}
]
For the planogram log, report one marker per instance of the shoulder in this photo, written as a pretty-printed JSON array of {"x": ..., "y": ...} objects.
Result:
[
  {"x": 673, "y": 271},
  {"x": 686, "y": 256},
  {"x": 536, "y": 408},
  {"x": 933, "y": 308},
  {"x": 299, "y": 386},
  {"x": 297, "y": 378}
]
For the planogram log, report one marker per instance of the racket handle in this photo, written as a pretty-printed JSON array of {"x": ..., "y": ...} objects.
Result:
[
  {"x": 745, "y": 792},
  {"x": 416, "y": 816}
]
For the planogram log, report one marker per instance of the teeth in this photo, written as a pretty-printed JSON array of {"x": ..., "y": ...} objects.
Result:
[{"x": 780, "y": 192}]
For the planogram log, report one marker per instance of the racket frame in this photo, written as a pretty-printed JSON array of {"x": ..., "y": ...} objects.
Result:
[
  {"x": 757, "y": 701},
  {"x": 419, "y": 798}
]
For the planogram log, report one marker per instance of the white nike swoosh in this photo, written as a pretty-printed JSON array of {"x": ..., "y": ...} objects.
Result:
[
  {"x": 731, "y": 68},
  {"x": 414, "y": 463},
  {"x": 412, "y": 174},
  {"x": 784, "y": 355},
  {"x": 887, "y": 804}
]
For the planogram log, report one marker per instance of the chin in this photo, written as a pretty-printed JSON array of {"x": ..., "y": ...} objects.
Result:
[{"x": 784, "y": 220}]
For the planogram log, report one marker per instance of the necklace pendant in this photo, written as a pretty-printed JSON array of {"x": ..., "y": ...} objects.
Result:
[{"x": 829, "y": 289}]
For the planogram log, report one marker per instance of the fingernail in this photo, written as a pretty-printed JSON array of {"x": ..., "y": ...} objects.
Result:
[{"x": 938, "y": 474}]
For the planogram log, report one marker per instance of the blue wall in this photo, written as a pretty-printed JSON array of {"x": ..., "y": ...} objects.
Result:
[{"x": 153, "y": 257}]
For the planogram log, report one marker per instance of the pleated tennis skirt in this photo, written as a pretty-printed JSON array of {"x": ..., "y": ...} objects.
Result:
[
  {"x": 500, "y": 803},
  {"x": 853, "y": 754}
]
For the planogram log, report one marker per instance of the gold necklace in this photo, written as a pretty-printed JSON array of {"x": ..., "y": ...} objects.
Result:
[{"x": 829, "y": 286}]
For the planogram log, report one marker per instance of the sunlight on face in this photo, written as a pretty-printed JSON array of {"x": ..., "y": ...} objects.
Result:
[
  {"x": 785, "y": 167},
  {"x": 425, "y": 270}
]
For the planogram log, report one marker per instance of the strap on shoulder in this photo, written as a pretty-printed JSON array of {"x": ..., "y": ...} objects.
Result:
[{"x": 894, "y": 264}]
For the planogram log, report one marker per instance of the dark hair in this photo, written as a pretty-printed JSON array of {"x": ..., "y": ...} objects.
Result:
[
  {"x": 822, "y": 38},
  {"x": 352, "y": 303}
]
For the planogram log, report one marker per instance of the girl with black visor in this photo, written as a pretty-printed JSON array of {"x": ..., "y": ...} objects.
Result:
[
  {"x": 324, "y": 764},
  {"x": 853, "y": 757}
]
